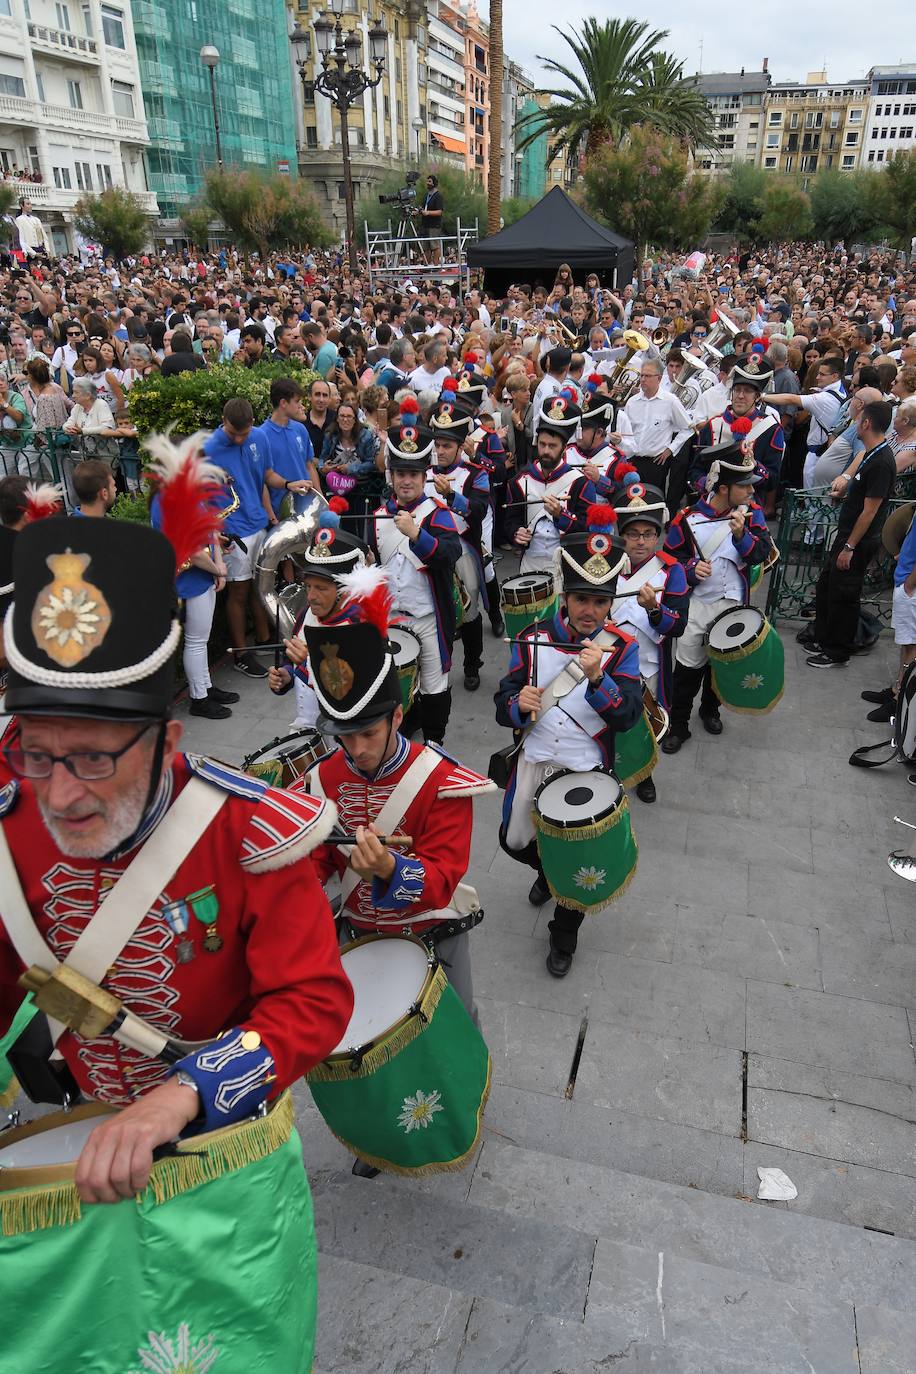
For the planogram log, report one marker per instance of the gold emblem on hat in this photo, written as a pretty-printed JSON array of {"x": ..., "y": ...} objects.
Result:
[
  {"x": 444, "y": 420},
  {"x": 407, "y": 446},
  {"x": 320, "y": 551},
  {"x": 637, "y": 503},
  {"x": 557, "y": 411},
  {"x": 464, "y": 383},
  {"x": 71, "y": 617},
  {"x": 335, "y": 672},
  {"x": 597, "y": 566}
]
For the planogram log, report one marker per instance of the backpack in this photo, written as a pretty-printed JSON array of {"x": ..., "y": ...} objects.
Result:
[{"x": 902, "y": 744}]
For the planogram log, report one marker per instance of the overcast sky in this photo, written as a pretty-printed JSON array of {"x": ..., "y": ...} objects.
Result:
[{"x": 797, "y": 39}]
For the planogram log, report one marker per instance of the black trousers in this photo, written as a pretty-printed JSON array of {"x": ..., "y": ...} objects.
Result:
[
  {"x": 838, "y": 599},
  {"x": 435, "y": 708},
  {"x": 687, "y": 682},
  {"x": 564, "y": 927},
  {"x": 472, "y": 639}
]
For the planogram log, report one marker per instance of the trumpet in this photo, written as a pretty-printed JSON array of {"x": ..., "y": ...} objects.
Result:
[{"x": 620, "y": 387}]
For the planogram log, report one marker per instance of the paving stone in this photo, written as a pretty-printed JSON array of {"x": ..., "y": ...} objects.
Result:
[
  {"x": 863, "y": 966},
  {"x": 516, "y": 1260},
  {"x": 861, "y": 857},
  {"x": 700, "y": 881},
  {"x": 833, "y": 811},
  {"x": 660, "y": 999},
  {"x": 530, "y": 1048},
  {"x": 690, "y": 1083},
  {"x": 717, "y": 796},
  {"x": 734, "y": 754},
  {"x": 840, "y": 1033},
  {"x": 837, "y": 1190},
  {"x": 747, "y": 946},
  {"x": 789, "y": 847},
  {"x": 807, "y": 899},
  {"x": 421, "y": 1325},
  {"x": 840, "y": 1262},
  {"x": 530, "y": 984},
  {"x": 901, "y": 908},
  {"x": 829, "y": 1112},
  {"x": 887, "y": 1341}
]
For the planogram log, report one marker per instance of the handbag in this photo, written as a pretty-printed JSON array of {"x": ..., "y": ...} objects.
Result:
[
  {"x": 902, "y": 744},
  {"x": 502, "y": 764}
]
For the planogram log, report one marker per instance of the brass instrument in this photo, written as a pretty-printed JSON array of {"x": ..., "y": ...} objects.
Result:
[
  {"x": 690, "y": 382},
  {"x": 723, "y": 331},
  {"x": 661, "y": 336},
  {"x": 284, "y": 541},
  {"x": 619, "y": 387}
]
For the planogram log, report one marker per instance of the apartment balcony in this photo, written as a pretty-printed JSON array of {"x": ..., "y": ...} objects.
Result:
[
  {"x": 115, "y": 126},
  {"x": 61, "y": 43},
  {"x": 15, "y": 110},
  {"x": 45, "y": 196}
]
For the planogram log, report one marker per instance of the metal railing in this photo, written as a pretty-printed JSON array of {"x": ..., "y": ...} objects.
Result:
[{"x": 50, "y": 455}]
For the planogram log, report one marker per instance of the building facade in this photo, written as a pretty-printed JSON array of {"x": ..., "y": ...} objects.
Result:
[
  {"x": 891, "y": 119},
  {"x": 71, "y": 106},
  {"x": 253, "y": 87},
  {"x": 523, "y": 173},
  {"x": 468, "y": 29},
  {"x": 736, "y": 100},
  {"x": 813, "y": 127}
]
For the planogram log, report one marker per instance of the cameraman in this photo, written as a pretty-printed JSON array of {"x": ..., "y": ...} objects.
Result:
[{"x": 431, "y": 217}]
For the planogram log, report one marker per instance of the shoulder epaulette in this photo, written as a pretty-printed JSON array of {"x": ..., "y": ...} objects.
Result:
[
  {"x": 666, "y": 559},
  {"x": 9, "y": 795},
  {"x": 456, "y": 780},
  {"x": 231, "y": 780}
]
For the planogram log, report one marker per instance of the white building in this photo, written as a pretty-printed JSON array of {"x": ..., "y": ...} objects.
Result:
[
  {"x": 71, "y": 107},
  {"x": 517, "y": 88},
  {"x": 445, "y": 92},
  {"x": 891, "y": 120},
  {"x": 736, "y": 100}
]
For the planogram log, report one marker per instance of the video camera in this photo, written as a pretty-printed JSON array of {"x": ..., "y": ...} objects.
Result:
[{"x": 406, "y": 194}]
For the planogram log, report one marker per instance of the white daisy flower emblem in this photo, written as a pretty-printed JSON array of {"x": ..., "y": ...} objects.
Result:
[
  {"x": 71, "y": 615},
  {"x": 590, "y": 878},
  {"x": 161, "y": 1355},
  {"x": 418, "y": 1111},
  {"x": 751, "y": 681}
]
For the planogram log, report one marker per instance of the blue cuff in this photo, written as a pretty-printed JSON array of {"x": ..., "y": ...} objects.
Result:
[
  {"x": 403, "y": 888},
  {"x": 516, "y": 715},
  {"x": 460, "y": 503},
  {"x": 232, "y": 1081},
  {"x": 745, "y": 543},
  {"x": 603, "y": 694},
  {"x": 425, "y": 545}
]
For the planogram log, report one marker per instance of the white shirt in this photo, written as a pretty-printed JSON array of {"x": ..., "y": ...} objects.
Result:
[
  {"x": 659, "y": 422},
  {"x": 547, "y": 386},
  {"x": 33, "y": 237},
  {"x": 93, "y": 421},
  {"x": 421, "y": 380}
]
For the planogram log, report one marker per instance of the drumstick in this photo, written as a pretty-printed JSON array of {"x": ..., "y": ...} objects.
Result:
[
  {"x": 534, "y": 671},
  {"x": 278, "y": 647},
  {"x": 339, "y": 837}
]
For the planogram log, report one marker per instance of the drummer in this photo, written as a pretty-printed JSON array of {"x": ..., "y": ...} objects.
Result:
[
  {"x": 604, "y": 473},
  {"x": 606, "y": 698},
  {"x": 718, "y": 540},
  {"x": 98, "y": 772},
  {"x": 415, "y": 539},
  {"x": 331, "y": 555},
  {"x": 537, "y": 516},
  {"x": 657, "y": 615}
]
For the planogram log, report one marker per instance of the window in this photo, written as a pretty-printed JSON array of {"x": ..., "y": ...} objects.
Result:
[
  {"x": 793, "y": 120},
  {"x": 34, "y": 158},
  {"x": 311, "y": 138},
  {"x": 881, "y": 155},
  {"x": 874, "y": 133},
  {"x": 769, "y": 162},
  {"x": 896, "y": 109},
  {"x": 83, "y": 176},
  {"x": 855, "y": 116},
  {"x": 113, "y": 26},
  {"x": 814, "y": 119},
  {"x": 871, "y": 156},
  {"x": 103, "y": 172},
  {"x": 772, "y": 140},
  {"x": 41, "y": 87},
  {"x": 76, "y": 95},
  {"x": 789, "y": 162},
  {"x": 63, "y": 17},
  {"x": 907, "y": 132},
  {"x": 893, "y": 132},
  {"x": 834, "y": 119},
  {"x": 809, "y": 163},
  {"x": 123, "y": 97},
  {"x": 5, "y": 7},
  {"x": 776, "y": 117},
  {"x": 62, "y": 178},
  {"x": 884, "y": 133},
  {"x": 851, "y": 140},
  {"x": 849, "y": 160},
  {"x": 12, "y": 85}
]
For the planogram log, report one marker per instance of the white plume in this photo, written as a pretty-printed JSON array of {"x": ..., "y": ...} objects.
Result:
[
  {"x": 362, "y": 581},
  {"x": 43, "y": 494},
  {"x": 169, "y": 459}
]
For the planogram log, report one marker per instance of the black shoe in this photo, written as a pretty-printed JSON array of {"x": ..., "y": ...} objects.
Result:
[
  {"x": 362, "y": 1170},
  {"x": 806, "y": 637},
  {"x": 880, "y": 698},
  {"x": 558, "y": 962},
  {"x": 498, "y": 626},
  {"x": 645, "y": 790},
  {"x": 210, "y": 710},
  {"x": 248, "y": 664},
  {"x": 538, "y": 893},
  {"x": 712, "y": 724},
  {"x": 673, "y": 741},
  {"x": 825, "y": 661},
  {"x": 882, "y": 714},
  {"x": 223, "y": 698},
  {"x": 471, "y": 681}
]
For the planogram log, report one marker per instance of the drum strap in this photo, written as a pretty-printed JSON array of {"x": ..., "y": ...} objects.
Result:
[
  {"x": 125, "y": 905},
  {"x": 570, "y": 676},
  {"x": 719, "y": 537}
]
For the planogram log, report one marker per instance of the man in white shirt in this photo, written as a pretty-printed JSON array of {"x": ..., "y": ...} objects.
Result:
[
  {"x": 433, "y": 371},
  {"x": 556, "y": 361},
  {"x": 661, "y": 427},
  {"x": 823, "y": 405},
  {"x": 34, "y": 239}
]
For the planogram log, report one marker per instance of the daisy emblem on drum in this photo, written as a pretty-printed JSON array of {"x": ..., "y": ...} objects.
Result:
[
  {"x": 183, "y": 1355},
  {"x": 418, "y": 1110},
  {"x": 335, "y": 672}
]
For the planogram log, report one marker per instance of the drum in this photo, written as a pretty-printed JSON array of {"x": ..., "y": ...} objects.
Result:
[
  {"x": 747, "y": 660},
  {"x": 636, "y": 749},
  {"x": 287, "y": 757},
  {"x": 526, "y": 598},
  {"x": 585, "y": 838},
  {"x": 239, "y": 1193},
  {"x": 407, "y": 661},
  {"x": 406, "y": 1087},
  {"x": 758, "y": 569},
  {"x": 462, "y": 599}
]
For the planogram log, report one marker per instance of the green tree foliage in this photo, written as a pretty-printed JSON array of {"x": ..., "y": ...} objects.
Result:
[
  {"x": 114, "y": 218},
  {"x": 463, "y": 196},
  {"x": 516, "y": 206},
  {"x": 643, "y": 189},
  {"x": 741, "y": 206},
  {"x": 843, "y": 205},
  {"x": 265, "y": 211},
  {"x": 195, "y": 220},
  {"x": 895, "y": 198},
  {"x": 622, "y": 79},
  {"x": 786, "y": 213},
  {"x": 190, "y": 401},
  {"x": 8, "y": 198}
]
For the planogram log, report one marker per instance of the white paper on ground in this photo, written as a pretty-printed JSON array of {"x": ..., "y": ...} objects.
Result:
[{"x": 775, "y": 1186}]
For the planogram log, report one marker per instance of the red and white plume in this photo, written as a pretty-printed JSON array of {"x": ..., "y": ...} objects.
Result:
[
  {"x": 368, "y": 587},
  {"x": 41, "y": 500},
  {"x": 191, "y": 493}
]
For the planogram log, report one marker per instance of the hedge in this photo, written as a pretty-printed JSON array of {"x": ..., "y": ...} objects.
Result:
[{"x": 194, "y": 400}]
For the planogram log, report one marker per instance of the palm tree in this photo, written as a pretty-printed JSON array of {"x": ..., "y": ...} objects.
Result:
[
  {"x": 494, "y": 171},
  {"x": 624, "y": 79}
]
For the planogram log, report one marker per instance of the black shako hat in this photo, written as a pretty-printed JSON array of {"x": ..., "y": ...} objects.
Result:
[
  {"x": 753, "y": 369},
  {"x": 352, "y": 670},
  {"x": 728, "y": 462},
  {"x": 642, "y": 502},
  {"x": 592, "y": 560},
  {"x": 333, "y": 552},
  {"x": 450, "y": 420},
  {"x": 92, "y": 630},
  {"x": 409, "y": 442},
  {"x": 559, "y": 415}
]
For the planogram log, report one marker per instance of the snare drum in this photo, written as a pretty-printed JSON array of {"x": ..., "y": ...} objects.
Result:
[
  {"x": 526, "y": 598},
  {"x": 139, "y": 1278},
  {"x": 407, "y": 661},
  {"x": 585, "y": 838},
  {"x": 406, "y": 1087},
  {"x": 747, "y": 660},
  {"x": 287, "y": 757},
  {"x": 636, "y": 749}
]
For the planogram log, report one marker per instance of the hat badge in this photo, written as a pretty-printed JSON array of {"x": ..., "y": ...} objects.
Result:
[
  {"x": 557, "y": 410},
  {"x": 71, "y": 617},
  {"x": 752, "y": 365},
  {"x": 597, "y": 566},
  {"x": 464, "y": 383},
  {"x": 323, "y": 541},
  {"x": 335, "y": 672},
  {"x": 444, "y": 417},
  {"x": 408, "y": 443}
]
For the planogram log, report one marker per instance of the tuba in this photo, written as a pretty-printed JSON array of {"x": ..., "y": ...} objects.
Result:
[
  {"x": 285, "y": 541},
  {"x": 621, "y": 386},
  {"x": 723, "y": 331},
  {"x": 692, "y": 380}
]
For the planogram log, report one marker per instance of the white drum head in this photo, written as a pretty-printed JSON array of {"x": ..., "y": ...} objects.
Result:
[
  {"x": 60, "y": 1145},
  {"x": 528, "y": 587},
  {"x": 574, "y": 799},
  {"x": 387, "y": 977},
  {"x": 406, "y": 645},
  {"x": 734, "y": 629}
]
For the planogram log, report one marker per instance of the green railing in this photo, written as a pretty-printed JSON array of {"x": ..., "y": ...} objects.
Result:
[
  {"x": 807, "y": 524},
  {"x": 49, "y": 455}
]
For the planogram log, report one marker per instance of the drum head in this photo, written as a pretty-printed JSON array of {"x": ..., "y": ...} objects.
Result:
[
  {"x": 734, "y": 629},
  {"x": 406, "y": 645},
  {"x": 292, "y": 746},
  {"x": 58, "y": 1145},
  {"x": 387, "y": 977},
  {"x": 528, "y": 587},
  {"x": 573, "y": 799}
]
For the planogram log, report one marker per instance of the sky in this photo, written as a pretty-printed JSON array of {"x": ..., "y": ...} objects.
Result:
[{"x": 797, "y": 39}]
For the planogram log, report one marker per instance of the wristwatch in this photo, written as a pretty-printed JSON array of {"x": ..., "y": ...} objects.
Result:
[
  {"x": 850, "y": 547},
  {"x": 655, "y": 616},
  {"x": 187, "y": 1081}
]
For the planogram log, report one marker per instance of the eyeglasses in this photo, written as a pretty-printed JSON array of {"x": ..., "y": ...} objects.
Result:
[
  {"x": 88, "y": 765},
  {"x": 74, "y": 333}
]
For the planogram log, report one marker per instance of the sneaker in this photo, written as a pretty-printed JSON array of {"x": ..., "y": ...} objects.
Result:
[
  {"x": 471, "y": 680},
  {"x": 210, "y": 710},
  {"x": 825, "y": 661},
  {"x": 806, "y": 636},
  {"x": 223, "y": 698},
  {"x": 884, "y": 713},
  {"x": 248, "y": 664},
  {"x": 879, "y": 698}
]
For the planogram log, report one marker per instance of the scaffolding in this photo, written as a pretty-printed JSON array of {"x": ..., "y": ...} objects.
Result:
[{"x": 395, "y": 253}]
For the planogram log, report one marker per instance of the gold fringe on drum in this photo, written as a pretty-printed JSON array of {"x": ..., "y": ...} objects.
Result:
[{"x": 341, "y": 1067}]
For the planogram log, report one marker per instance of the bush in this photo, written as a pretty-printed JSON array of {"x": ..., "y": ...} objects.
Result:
[
  {"x": 194, "y": 400},
  {"x": 131, "y": 506}
]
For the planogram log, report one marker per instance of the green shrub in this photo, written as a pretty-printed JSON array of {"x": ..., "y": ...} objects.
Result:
[
  {"x": 194, "y": 400},
  {"x": 131, "y": 506}
]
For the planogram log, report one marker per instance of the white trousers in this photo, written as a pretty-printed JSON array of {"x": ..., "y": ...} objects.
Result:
[
  {"x": 528, "y": 778},
  {"x": 432, "y": 677},
  {"x": 198, "y": 621},
  {"x": 691, "y": 647}
]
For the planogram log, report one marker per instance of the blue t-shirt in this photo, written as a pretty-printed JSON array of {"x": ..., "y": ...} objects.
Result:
[
  {"x": 907, "y": 558},
  {"x": 290, "y": 450},
  {"x": 194, "y": 581},
  {"x": 326, "y": 357},
  {"x": 247, "y": 465}
]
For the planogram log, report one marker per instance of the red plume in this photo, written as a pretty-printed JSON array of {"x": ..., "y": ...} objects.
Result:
[
  {"x": 190, "y": 494},
  {"x": 471, "y": 358},
  {"x": 338, "y": 504},
  {"x": 367, "y": 587},
  {"x": 622, "y": 469},
  {"x": 450, "y": 384},
  {"x": 595, "y": 378},
  {"x": 41, "y": 500},
  {"x": 741, "y": 425},
  {"x": 410, "y": 406},
  {"x": 600, "y": 514}
]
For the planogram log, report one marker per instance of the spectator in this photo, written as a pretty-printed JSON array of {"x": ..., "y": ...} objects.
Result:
[
  {"x": 94, "y": 487},
  {"x": 182, "y": 357},
  {"x": 289, "y": 445}
]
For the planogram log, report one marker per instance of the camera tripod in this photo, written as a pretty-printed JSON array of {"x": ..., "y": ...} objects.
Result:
[{"x": 405, "y": 235}]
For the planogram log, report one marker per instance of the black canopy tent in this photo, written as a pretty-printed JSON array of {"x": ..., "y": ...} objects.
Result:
[{"x": 554, "y": 231}]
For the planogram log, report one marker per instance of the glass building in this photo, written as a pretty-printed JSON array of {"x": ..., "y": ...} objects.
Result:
[{"x": 253, "y": 89}]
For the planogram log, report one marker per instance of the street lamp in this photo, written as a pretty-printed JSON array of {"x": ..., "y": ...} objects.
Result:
[
  {"x": 209, "y": 56},
  {"x": 343, "y": 81}
]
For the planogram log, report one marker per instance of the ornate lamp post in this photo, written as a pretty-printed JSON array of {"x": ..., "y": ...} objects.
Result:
[
  {"x": 209, "y": 56},
  {"x": 343, "y": 81}
]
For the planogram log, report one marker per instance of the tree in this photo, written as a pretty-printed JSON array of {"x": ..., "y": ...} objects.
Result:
[
  {"x": 895, "y": 198},
  {"x": 842, "y": 205},
  {"x": 195, "y": 220},
  {"x": 643, "y": 189},
  {"x": 513, "y": 208},
  {"x": 786, "y": 213},
  {"x": 265, "y": 211},
  {"x": 8, "y": 199},
  {"x": 462, "y": 195},
  {"x": 742, "y": 201},
  {"x": 624, "y": 79},
  {"x": 495, "y": 169},
  {"x": 116, "y": 219}
]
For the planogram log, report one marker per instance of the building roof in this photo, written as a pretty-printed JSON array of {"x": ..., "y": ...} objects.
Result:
[{"x": 730, "y": 83}]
